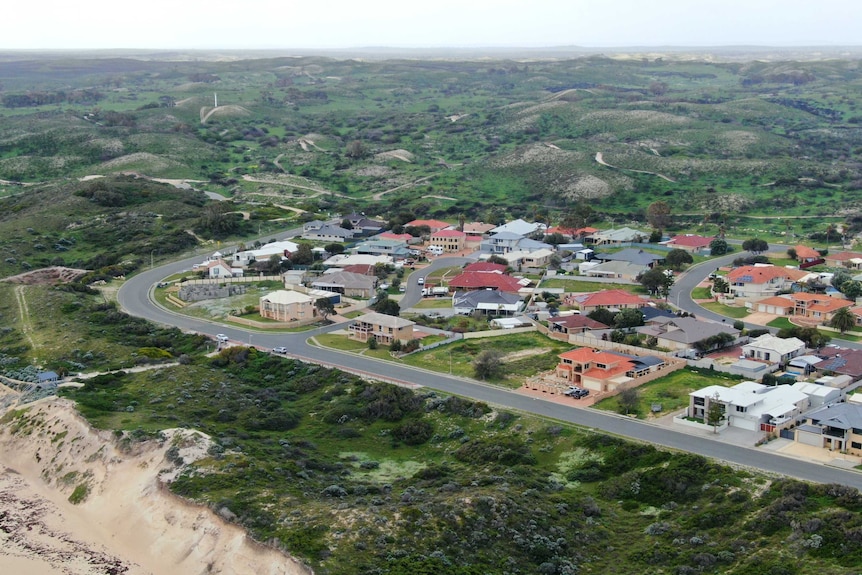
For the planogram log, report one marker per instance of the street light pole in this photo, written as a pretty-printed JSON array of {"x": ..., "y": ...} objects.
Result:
[{"x": 151, "y": 258}]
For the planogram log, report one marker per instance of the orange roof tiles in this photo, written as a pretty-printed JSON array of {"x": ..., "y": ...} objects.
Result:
[{"x": 609, "y": 297}]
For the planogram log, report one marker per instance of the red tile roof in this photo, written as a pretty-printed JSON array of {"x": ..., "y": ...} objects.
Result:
[
  {"x": 763, "y": 274},
  {"x": 363, "y": 269},
  {"x": 607, "y": 298},
  {"x": 588, "y": 355},
  {"x": 433, "y": 224},
  {"x": 399, "y": 237},
  {"x": 777, "y": 301},
  {"x": 843, "y": 256},
  {"x": 485, "y": 267},
  {"x": 805, "y": 253},
  {"x": 691, "y": 241},
  {"x": 480, "y": 280}
]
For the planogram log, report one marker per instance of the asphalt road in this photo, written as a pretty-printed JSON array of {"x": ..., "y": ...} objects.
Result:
[{"x": 134, "y": 297}]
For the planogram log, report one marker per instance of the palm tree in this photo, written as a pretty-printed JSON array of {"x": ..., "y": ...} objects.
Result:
[{"x": 843, "y": 320}]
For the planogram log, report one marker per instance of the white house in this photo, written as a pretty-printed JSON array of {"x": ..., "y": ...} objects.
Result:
[
  {"x": 519, "y": 227},
  {"x": 752, "y": 406},
  {"x": 220, "y": 269},
  {"x": 773, "y": 349},
  {"x": 264, "y": 252}
]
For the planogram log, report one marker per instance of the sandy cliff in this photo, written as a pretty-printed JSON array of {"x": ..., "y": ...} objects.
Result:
[{"x": 126, "y": 523}]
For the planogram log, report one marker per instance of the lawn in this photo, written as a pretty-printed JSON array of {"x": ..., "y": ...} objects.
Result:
[
  {"x": 575, "y": 285},
  {"x": 701, "y": 293},
  {"x": 781, "y": 323},
  {"x": 434, "y": 303},
  {"x": 671, "y": 391},
  {"x": 726, "y": 310}
]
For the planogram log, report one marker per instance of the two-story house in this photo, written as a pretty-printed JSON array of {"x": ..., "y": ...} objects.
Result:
[
  {"x": 761, "y": 281},
  {"x": 604, "y": 371},
  {"x": 836, "y": 427},
  {"x": 750, "y": 405},
  {"x": 384, "y": 328}
]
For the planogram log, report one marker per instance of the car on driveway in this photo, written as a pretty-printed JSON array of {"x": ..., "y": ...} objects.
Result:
[
  {"x": 280, "y": 349},
  {"x": 576, "y": 392}
]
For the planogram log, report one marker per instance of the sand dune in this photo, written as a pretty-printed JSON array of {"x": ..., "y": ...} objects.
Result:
[{"x": 129, "y": 524}]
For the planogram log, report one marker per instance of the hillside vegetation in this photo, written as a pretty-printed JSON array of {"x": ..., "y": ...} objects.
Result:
[{"x": 486, "y": 139}]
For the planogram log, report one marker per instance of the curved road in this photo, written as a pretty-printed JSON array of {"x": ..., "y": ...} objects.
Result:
[{"x": 134, "y": 297}]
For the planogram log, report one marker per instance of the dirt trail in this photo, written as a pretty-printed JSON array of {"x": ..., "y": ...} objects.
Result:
[
  {"x": 24, "y": 311},
  {"x": 601, "y": 161},
  {"x": 379, "y": 195}
]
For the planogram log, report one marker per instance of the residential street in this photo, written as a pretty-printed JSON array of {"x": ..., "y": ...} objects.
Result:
[{"x": 134, "y": 297}]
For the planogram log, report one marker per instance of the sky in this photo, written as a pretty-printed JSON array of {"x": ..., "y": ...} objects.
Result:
[{"x": 312, "y": 24}]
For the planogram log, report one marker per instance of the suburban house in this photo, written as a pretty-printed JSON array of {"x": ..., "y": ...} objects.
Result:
[
  {"x": 284, "y": 305},
  {"x": 806, "y": 255},
  {"x": 818, "y": 307},
  {"x": 680, "y": 333},
  {"x": 613, "y": 269},
  {"x": 772, "y": 349},
  {"x": 433, "y": 225},
  {"x": 776, "y": 305},
  {"x": 840, "y": 361},
  {"x": 819, "y": 394},
  {"x": 449, "y": 240},
  {"x": 519, "y": 227},
  {"x": 505, "y": 242},
  {"x": 327, "y": 233},
  {"x": 575, "y": 323},
  {"x": 475, "y": 232},
  {"x": 750, "y": 405},
  {"x": 491, "y": 302},
  {"x": 346, "y": 283},
  {"x": 604, "y": 371},
  {"x": 344, "y": 260},
  {"x": 836, "y": 427},
  {"x": 220, "y": 269},
  {"x": 631, "y": 255},
  {"x": 469, "y": 281},
  {"x": 852, "y": 260},
  {"x": 691, "y": 243},
  {"x": 384, "y": 328},
  {"x": 395, "y": 249},
  {"x": 761, "y": 281},
  {"x": 364, "y": 226},
  {"x": 405, "y": 238},
  {"x": 612, "y": 299},
  {"x": 529, "y": 258},
  {"x": 614, "y": 237},
  {"x": 247, "y": 257}
]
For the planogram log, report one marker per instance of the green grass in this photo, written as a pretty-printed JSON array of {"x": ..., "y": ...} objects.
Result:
[
  {"x": 575, "y": 285},
  {"x": 670, "y": 391},
  {"x": 726, "y": 310},
  {"x": 701, "y": 293},
  {"x": 434, "y": 303},
  {"x": 781, "y": 323}
]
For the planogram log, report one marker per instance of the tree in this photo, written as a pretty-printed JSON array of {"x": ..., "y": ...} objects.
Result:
[
  {"x": 324, "y": 307},
  {"x": 720, "y": 285},
  {"x": 843, "y": 320},
  {"x": 334, "y": 248},
  {"x": 755, "y": 245},
  {"x": 372, "y": 342},
  {"x": 812, "y": 338},
  {"x": 840, "y": 277},
  {"x": 718, "y": 247},
  {"x": 488, "y": 363},
  {"x": 715, "y": 412},
  {"x": 355, "y": 150},
  {"x": 495, "y": 259},
  {"x": 629, "y": 399},
  {"x": 629, "y": 317},
  {"x": 218, "y": 221},
  {"x": 346, "y": 224},
  {"x": 791, "y": 253},
  {"x": 555, "y": 239},
  {"x": 602, "y": 315},
  {"x": 851, "y": 289},
  {"x": 658, "y": 215},
  {"x": 678, "y": 258},
  {"x": 657, "y": 281},
  {"x": 387, "y": 306},
  {"x": 303, "y": 255},
  {"x": 578, "y": 217}
]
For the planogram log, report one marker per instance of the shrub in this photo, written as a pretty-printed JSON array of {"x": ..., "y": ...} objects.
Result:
[{"x": 414, "y": 432}]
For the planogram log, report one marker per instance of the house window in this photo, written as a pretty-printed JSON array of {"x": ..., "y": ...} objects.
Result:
[
  {"x": 855, "y": 445},
  {"x": 740, "y": 408},
  {"x": 766, "y": 355},
  {"x": 857, "y": 431},
  {"x": 698, "y": 401}
]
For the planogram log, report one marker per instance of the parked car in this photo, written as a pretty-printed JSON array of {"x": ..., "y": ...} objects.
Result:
[
  {"x": 221, "y": 338},
  {"x": 576, "y": 392},
  {"x": 279, "y": 349}
]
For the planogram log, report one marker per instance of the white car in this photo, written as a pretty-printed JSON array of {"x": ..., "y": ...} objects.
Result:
[
  {"x": 222, "y": 338},
  {"x": 421, "y": 281},
  {"x": 280, "y": 349}
]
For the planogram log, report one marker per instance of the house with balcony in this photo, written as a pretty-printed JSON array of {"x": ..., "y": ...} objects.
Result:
[
  {"x": 818, "y": 307},
  {"x": 475, "y": 232},
  {"x": 384, "y": 328},
  {"x": 762, "y": 281},
  {"x": 285, "y": 305},
  {"x": 604, "y": 371},
  {"x": 450, "y": 240},
  {"x": 750, "y": 405},
  {"x": 835, "y": 427}
]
